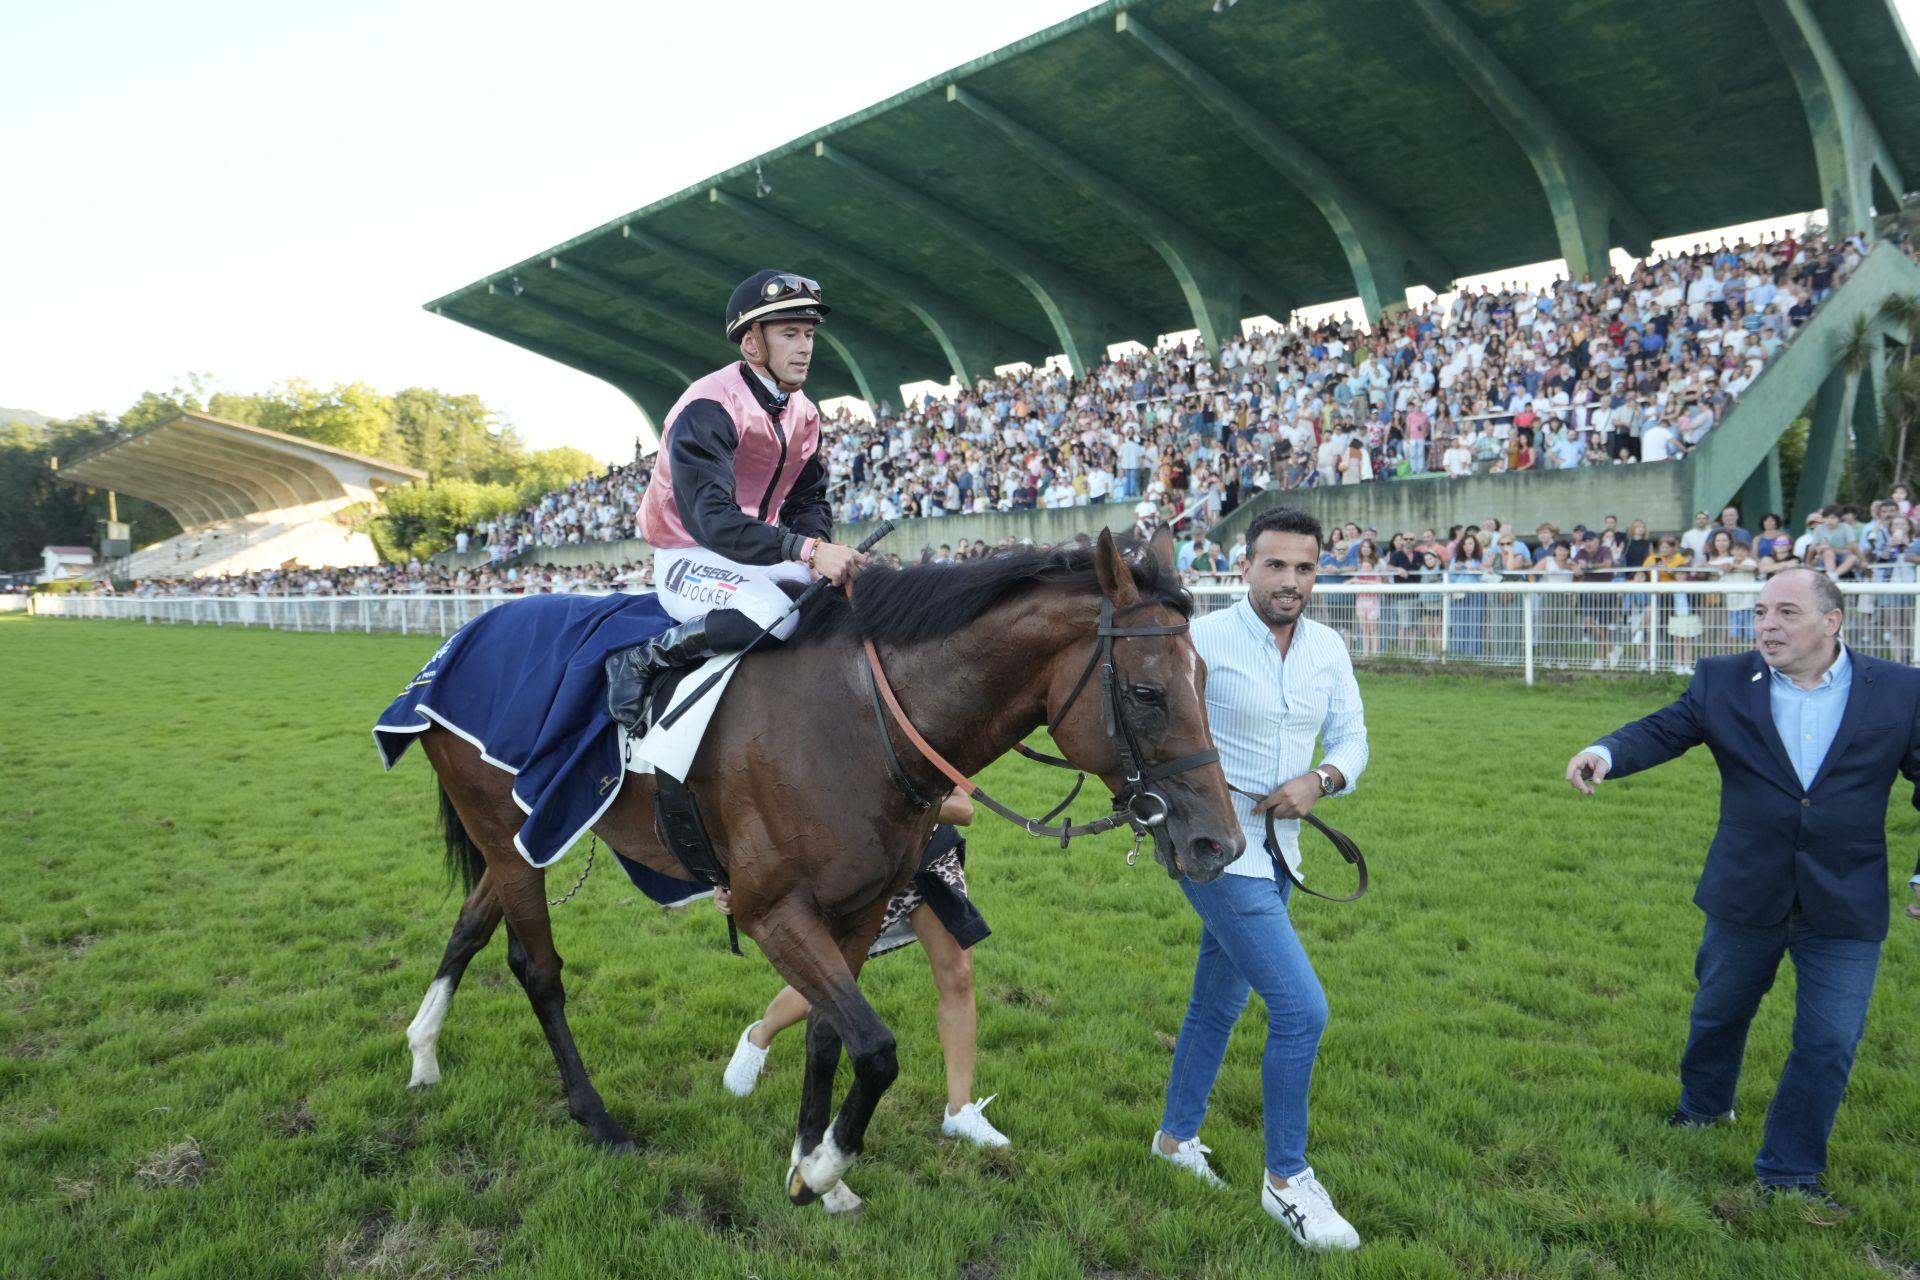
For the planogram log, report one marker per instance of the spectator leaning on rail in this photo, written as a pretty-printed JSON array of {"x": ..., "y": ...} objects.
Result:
[
  {"x": 1808, "y": 735},
  {"x": 741, "y": 506}
]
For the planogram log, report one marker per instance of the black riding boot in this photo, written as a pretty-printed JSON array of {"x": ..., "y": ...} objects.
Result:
[{"x": 632, "y": 674}]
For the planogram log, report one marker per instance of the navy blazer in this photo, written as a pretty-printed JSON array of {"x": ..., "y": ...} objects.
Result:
[{"x": 1825, "y": 845}]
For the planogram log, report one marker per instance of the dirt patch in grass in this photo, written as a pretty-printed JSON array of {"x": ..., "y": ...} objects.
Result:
[
  {"x": 180, "y": 1165},
  {"x": 298, "y": 1119},
  {"x": 384, "y": 1247},
  {"x": 1887, "y": 1264}
]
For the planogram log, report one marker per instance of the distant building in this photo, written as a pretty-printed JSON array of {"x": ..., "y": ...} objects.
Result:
[{"x": 61, "y": 563}]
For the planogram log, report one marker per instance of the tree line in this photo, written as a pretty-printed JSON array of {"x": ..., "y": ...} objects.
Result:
[{"x": 476, "y": 463}]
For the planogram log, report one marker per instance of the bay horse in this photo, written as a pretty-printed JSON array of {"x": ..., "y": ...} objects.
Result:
[{"x": 808, "y": 804}]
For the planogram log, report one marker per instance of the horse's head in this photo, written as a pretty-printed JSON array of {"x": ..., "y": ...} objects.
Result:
[{"x": 1139, "y": 718}]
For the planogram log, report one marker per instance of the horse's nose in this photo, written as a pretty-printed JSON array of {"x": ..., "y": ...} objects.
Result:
[{"x": 1205, "y": 858}]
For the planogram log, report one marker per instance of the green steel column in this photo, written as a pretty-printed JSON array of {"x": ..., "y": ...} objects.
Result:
[
  {"x": 1762, "y": 492},
  {"x": 1866, "y": 417},
  {"x": 653, "y": 397},
  {"x": 966, "y": 338},
  {"x": 1377, "y": 246},
  {"x": 1584, "y": 200},
  {"x": 1847, "y": 144},
  {"x": 1833, "y": 409},
  {"x": 877, "y": 378},
  {"x": 1084, "y": 322},
  {"x": 695, "y": 333},
  {"x": 1214, "y": 286},
  {"x": 676, "y": 363},
  {"x": 843, "y": 334}
]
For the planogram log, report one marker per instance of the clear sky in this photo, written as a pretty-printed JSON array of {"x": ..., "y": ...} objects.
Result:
[{"x": 263, "y": 191}]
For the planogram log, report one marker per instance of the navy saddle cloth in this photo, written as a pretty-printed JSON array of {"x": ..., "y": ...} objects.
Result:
[{"x": 525, "y": 683}]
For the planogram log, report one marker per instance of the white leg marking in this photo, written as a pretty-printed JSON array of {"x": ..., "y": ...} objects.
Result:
[
  {"x": 423, "y": 1033},
  {"x": 841, "y": 1202},
  {"x": 823, "y": 1166}
]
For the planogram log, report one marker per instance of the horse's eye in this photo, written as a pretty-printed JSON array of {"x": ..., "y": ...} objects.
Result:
[{"x": 1147, "y": 695}]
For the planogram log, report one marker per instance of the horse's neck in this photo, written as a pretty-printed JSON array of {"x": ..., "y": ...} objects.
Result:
[{"x": 977, "y": 693}]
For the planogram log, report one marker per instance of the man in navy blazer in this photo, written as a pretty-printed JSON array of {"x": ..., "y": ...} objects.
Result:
[{"x": 1809, "y": 736}]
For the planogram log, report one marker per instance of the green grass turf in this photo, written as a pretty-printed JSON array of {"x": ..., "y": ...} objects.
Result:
[{"x": 218, "y": 915}]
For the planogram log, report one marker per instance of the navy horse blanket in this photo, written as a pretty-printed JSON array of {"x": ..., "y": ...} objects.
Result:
[{"x": 526, "y": 684}]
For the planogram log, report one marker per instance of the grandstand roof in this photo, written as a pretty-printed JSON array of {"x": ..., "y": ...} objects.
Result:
[
  {"x": 204, "y": 470},
  {"x": 1149, "y": 166}
]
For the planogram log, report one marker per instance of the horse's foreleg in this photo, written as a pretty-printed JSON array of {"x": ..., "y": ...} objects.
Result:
[
  {"x": 821, "y": 970},
  {"x": 536, "y": 963},
  {"x": 479, "y": 917}
]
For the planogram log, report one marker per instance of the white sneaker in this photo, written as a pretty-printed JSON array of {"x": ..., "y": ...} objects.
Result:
[
  {"x": 743, "y": 1072},
  {"x": 969, "y": 1123},
  {"x": 1306, "y": 1211},
  {"x": 1190, "y": 1155}
]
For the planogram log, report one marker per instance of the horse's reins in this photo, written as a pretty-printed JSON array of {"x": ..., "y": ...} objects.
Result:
[{"x": 1136, "y": 805}]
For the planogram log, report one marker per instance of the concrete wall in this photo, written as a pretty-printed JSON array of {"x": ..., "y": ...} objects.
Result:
[
  {"x": 906, "y": 541},
  {"x": 1656, "y": 493}
]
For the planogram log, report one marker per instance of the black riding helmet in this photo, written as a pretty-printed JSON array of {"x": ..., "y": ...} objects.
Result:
[{"x": 771, "y": 295}]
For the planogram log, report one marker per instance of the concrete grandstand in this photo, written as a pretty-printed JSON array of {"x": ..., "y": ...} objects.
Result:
[
  {"x": 1149, "y": 167},
  {"x": 246, "y": 498}
]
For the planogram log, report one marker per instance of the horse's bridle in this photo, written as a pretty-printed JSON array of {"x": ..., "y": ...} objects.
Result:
[{"x": 1136, "y": 804}]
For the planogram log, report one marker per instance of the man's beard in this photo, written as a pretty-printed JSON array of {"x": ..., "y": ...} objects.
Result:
[{"x": 1278, "y": 612}]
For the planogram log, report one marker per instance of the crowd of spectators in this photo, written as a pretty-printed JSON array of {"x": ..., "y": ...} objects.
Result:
[
  {"x": 412, "y": 578},
  {"x": 598, "y": 508},
  {"x": 1724, "y": 560},
  {"x": 1629, "y": 369},
  {"x": 1730, "y": 561}
]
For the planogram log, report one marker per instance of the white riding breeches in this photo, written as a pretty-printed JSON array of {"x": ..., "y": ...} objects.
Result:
[{"x": 693, "y": 581}]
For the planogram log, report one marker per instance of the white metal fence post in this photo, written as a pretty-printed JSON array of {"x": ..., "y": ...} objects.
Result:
[{"x": 1527, "y": 604}]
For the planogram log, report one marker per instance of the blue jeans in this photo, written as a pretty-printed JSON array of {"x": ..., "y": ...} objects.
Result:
[
  {"x": 1247, "y": 944},
  {"x": 1736, "y": 967}
]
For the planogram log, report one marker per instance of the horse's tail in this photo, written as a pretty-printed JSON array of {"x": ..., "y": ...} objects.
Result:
[{"x": 465, "y": 863}]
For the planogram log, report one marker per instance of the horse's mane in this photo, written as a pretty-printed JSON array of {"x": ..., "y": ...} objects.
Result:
[{"x": 929, "y": 601}]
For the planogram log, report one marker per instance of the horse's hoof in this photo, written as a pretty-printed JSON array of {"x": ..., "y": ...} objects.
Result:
[
  {"x": 842, "y": 1203},
  {"x": 615, "y": 1141},
  {"x": 797, "y": 1189}
]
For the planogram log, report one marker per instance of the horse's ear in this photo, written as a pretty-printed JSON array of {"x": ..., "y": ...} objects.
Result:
[
  {"x": 1116, "y": 579},
  {"x": 1160, "y": 547}
]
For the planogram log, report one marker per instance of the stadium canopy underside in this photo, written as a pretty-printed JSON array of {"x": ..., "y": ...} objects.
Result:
[
  {"x": 1149, "y": 166},
  {"x": 206, "y": 471}
]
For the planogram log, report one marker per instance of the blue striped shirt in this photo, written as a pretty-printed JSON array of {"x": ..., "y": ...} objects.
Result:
[{"x": 1266, "y": 712}]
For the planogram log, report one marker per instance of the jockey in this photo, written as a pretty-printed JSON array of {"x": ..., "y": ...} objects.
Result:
[{"x": 738, "y": 501}]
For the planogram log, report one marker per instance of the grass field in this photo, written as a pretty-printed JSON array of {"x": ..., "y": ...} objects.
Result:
[{"x": 219, "y": 916}]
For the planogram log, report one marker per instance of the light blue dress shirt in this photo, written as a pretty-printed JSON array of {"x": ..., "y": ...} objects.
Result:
[
  {"x": 1266, "y": 712},
  {"x": 1807, "y": 720}
]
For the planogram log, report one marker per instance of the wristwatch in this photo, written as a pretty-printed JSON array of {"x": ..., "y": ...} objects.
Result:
[{"x": 1327, "y": 785}]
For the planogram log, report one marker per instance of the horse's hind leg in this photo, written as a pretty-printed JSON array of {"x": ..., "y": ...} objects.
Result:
[
  {"x": 479, "y": 916},
  {"x": 533, "y": 959}
]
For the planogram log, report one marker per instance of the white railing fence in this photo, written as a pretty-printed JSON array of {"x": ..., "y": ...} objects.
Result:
[{"x": 1528, "y": 627}]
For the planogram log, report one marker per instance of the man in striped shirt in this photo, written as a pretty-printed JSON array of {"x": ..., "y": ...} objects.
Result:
[{"x": 1276, "y": 681}]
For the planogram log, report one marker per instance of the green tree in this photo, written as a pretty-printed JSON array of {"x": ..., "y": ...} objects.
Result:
[
  {"x": 38, "y": 508},
  {"x": 422, "y": 519},
  {"x": 350, "y": 415},
  {"x": 533, "y": 474}
]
